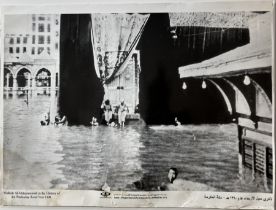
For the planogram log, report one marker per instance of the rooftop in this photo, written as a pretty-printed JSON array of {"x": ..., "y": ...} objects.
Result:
[{"x": 252, "y": 57}]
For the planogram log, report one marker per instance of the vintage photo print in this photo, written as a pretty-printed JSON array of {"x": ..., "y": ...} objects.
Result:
[{"x": 140, "y": 102}]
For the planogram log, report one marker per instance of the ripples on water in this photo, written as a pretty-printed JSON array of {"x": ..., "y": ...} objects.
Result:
[{"x": 79, "y": 157}]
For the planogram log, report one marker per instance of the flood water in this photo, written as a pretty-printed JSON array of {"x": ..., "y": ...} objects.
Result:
[{"x": 134, "y": 158}]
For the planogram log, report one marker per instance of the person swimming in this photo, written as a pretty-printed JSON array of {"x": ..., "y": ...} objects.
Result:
[
  {"x": 112, "y": 124},
  {"x": 46, "y": 119},
  {"x": 183, "y": 185},
  {"x": 94, "y": 121},
  {"x": 177, "y": 123},
  {"x": 60, "y": 121}
]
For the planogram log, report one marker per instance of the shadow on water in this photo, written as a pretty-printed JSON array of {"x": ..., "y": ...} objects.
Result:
[
  {"x": 205, "y": 155},
  {"x": 133, "y": 158}
]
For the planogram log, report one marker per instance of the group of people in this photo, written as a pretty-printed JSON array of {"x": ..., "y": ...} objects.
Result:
[
  {"x": 121, "y": 110},
  {"x": 108, "y": 112},
  {"x": 58, "y": 120}
]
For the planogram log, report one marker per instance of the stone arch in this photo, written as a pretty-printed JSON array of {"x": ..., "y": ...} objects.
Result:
[
  {"x": 9, "y": 70},
  {"x": 8, "y": 77},
  {"x": 242, "y": 105},
  {"x": 224, "y": 95},
  {"x": 17, "y": 70},
  {"x": 23, "y": 76},
  {"x": 37, "y": 70},
  {"x": 42, "y": 77}
]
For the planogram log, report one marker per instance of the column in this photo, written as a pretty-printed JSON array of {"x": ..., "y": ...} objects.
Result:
[
  {"x": 6, "y": 89},
  {"x": 14, "y": 86},
  {"x": 133, "y": 83},
  {"x": 8, "y": 80},
  {"x": 29, "y": 83},
  {"x": 34, "y": 86}
]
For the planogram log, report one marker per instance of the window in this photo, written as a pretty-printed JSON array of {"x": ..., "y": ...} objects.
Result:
[
  {"x": 11, "y": 40},
  {"x": 48, "y": 39},
  {"x": 56, "y": 21},
  {"x": 49, "y": 50},
  {"x": 33, "y": 50},
  {"x": 56, "y": 46},
  {"x": 24, "y": 49},
  {"x": 40, "y": 39},
  {"x": 25, "y": 39},
  {"x": 33, "y": 17},
  {"x": 33, "y": 41},
  {"x": 39, "y": 50},
  {"x": 41, "y": 18},
  {"x": 49, "y": 28},
  {"x": 18, "y": 40},
  {"x": 41, "y": 27},
  {"x": 11, "y": 50},
  {"x": 17, "y": 50},
  {"x": 33, "y": 26}
]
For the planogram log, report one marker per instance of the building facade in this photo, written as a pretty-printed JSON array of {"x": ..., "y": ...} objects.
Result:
[{"x": 31, "y": 60}]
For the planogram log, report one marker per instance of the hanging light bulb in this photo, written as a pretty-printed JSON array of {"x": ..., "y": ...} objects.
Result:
[
  {"x": 203, "y": 85},
  {"x": 174, "y": 36},
  {"x": 173, "y": 32},
  {"x": 246, "y": 80},
  {"x": 184, "y": 86}
]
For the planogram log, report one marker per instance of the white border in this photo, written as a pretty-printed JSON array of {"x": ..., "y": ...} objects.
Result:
[
  {"x": 184, "y": 6},
  {"x": 180, "y": 199}
]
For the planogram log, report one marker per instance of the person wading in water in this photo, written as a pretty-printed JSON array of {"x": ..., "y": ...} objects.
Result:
[
  {"x": 107, "y": 108},
  {"x": 122, "y": 112}
]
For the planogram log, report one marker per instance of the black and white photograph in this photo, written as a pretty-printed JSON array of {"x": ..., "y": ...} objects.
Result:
[{"x": 177, "y": 101}]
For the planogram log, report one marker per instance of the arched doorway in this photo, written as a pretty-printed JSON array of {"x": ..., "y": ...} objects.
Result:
[
  {"x": 43, "y": 78},
  {"x": 23, "y": 78},
  {"x": 8, "y": 78}
]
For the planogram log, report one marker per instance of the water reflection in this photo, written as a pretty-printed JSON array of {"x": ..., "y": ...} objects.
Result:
[
  {"x": 133, "y": 158},
  {"x": 100, "y": 154}
]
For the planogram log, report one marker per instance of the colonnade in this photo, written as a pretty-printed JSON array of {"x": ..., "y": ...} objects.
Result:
[{"x": 31, "y": 80}]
